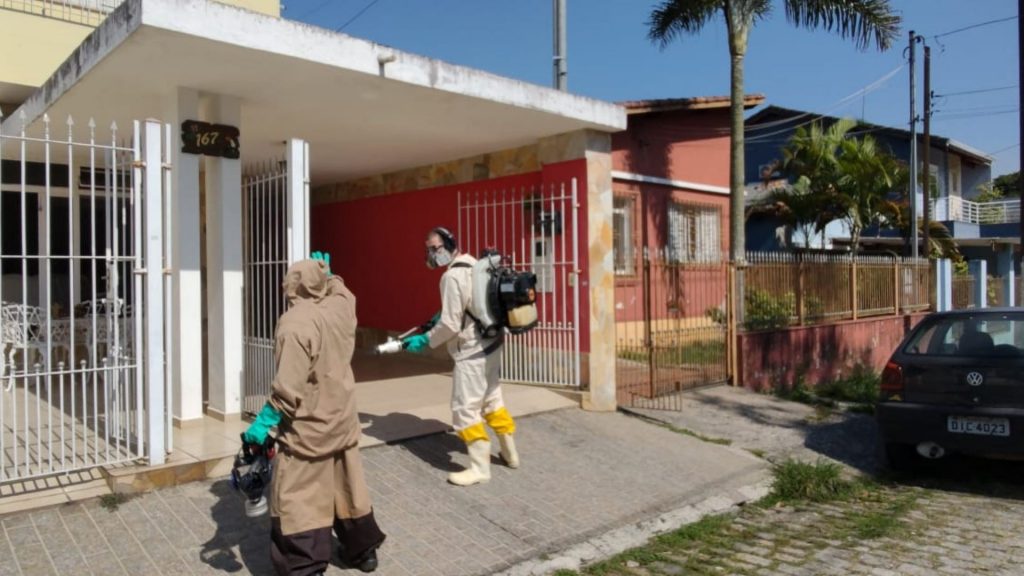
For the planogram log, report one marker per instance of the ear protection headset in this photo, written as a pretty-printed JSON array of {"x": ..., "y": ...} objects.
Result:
[{"x": 447, "y": 238}]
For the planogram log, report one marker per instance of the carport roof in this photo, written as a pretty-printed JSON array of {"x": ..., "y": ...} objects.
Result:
[{"x": 364, "y": 108}]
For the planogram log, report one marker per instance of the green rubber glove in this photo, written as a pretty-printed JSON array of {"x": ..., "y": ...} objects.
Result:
[
  {"x": 265, "y": 420},
  {"x": 429, "y": 324},
  {"x": 324, "y": 257},
  {"x": 416, "y": 342}
]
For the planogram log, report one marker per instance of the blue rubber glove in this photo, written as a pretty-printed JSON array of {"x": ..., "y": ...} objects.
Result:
[
  {"x": 429, "y": 324},
  {"x": 416, "y": 342},
  {"x": 324, "y": 257},
  {"x": 265, "y": 420}
]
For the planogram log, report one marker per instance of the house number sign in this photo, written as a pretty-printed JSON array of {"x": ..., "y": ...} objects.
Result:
[{"x": 209, "y": 139}]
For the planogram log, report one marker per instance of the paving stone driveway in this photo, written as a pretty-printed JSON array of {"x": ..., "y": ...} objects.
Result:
[{"x": 966, "y": 516}]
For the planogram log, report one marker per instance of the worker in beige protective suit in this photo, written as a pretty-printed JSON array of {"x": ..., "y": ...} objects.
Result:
[
  {"x": 476, "y": 391},
  {"x": 318, "y": 481}
]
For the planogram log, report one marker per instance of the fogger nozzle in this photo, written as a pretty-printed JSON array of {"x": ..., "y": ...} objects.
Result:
[{"x": 392, "y": 346}]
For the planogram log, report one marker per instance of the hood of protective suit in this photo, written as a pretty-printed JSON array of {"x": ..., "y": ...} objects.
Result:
[{"x": 306, "y": 280}]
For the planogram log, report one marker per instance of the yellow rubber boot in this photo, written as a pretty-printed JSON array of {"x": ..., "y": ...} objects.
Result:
[{"x": 479, "y": 471}]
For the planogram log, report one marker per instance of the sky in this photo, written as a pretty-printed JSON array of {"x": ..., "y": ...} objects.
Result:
[{"x": 610, "y": 57}]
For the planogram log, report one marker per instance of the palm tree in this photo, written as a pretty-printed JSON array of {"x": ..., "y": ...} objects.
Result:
[
  {"x": 868, "y": 177},
  {"x": 796, "y": 206},
  {"x": 847, "y": 178},
  {"x": 866, "y": 22}
]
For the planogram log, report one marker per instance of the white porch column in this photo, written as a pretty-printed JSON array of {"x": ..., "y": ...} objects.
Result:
[
  {"x": 979, "y": 270},
  {"x": 186, "y": 320},
  {"x": 943, "y": 285},
  {"x": 224, "y": 271},
  {"x": 298, "y": 200}
]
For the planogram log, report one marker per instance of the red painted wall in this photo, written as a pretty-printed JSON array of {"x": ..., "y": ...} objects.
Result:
[
  {"x": 690, "y": 146},
  {"x": 377, "y": 245},
  {"x": 819, "y": 353},
  {"x": 682, "y": 145}
]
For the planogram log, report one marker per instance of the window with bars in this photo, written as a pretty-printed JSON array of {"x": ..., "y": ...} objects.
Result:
[
  {"x": 623, "y": 235},
  {"x": 694, "y": 233}
]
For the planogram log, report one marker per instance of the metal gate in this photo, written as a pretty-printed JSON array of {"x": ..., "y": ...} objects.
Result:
[
  {"x": 275, "y": 206},
  {"x": 671, "y": 320},
  {"x": 535, "y": 229},
  {"x": 82, "y": 257}
]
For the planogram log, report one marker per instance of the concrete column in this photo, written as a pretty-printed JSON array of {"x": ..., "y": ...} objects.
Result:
[
  {"x": 186, "y": 322},
  {"x": 943, "y": 285},
  {"x": 979, "y": 270},
  {"x": 224, "y": 271},
  {"x": 1004, "y": 268},
  {"x": 598, "y": 194}
]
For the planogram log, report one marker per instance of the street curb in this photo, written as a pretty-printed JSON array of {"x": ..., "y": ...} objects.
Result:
[{"x": 621, "y": 539}]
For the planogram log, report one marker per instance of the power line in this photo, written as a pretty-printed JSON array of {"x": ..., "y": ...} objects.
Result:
[
  {"x": 1010, "y": 147},
  {"x": 981, "y": 91},
  {"x": 973, "y": 26},
  {"x": 969, "y": 116},
  {"x": 861, "y": 92},
  {"x": 358, "y": 14},
  {"x": 308, "y": 13}
]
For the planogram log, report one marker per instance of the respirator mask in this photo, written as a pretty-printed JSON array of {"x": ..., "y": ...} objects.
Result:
[{"x": 438, "y": 257}]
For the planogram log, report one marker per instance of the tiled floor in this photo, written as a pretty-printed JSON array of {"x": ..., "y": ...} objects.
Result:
[{"x": 398, "y": 398}]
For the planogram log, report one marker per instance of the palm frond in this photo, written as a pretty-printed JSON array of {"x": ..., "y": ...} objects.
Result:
[
  {"x": 671, "y": 19},
  {"x": 866, "y": 22}
]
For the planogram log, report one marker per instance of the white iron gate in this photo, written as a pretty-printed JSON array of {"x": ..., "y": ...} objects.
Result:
[
  {"x": 81, "y": 297},
  {"x": 536, "y": 229},
  {"x": 275, "y": 205}
]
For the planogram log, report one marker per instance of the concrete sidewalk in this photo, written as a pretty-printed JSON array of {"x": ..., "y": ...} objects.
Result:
[{"x": 585, "y": 476}]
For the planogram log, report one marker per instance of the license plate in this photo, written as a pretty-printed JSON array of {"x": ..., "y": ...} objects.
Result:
[{"x": 980, "y": 426}]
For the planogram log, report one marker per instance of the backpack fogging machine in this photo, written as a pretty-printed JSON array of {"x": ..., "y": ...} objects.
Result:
[{"x": 503, "y": 300}]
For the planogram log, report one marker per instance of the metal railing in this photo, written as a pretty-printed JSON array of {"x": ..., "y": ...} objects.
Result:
[
  {"x": 958, "y": 209},
  {"x": 783, "y": 289},
  {"x": 963, "y": 292},
  {"x": 536, "y": 229},
  {"x": 74, "y": 358},
  {"x": 87, "y": 12}
]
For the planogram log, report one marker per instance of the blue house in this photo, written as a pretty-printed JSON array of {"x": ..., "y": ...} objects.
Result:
[{"x": 984, "y": 231}]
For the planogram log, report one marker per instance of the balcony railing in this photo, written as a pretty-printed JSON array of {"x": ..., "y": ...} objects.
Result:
[
  {"x": 87, "y": 12},
  {"x": 957, "y": 209}
]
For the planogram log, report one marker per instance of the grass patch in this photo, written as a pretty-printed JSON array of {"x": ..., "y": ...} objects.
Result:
[
  {"x": 883, "y": 523},
  {"x": 111, "y": 502},
  {"x": 757, "y": 452},
  {"x": 708, "y": 532},
  {"x": 697, "y": 435},
  {"x": 861, "y": 387},
  {"x": 700, "y": 352},
  {"x": 802, "y": 481}
]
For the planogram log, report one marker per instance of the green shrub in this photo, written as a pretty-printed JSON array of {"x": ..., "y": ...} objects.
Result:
[
  {"x": 765, "y": 311},
  {"x": 802, "y": 481}
]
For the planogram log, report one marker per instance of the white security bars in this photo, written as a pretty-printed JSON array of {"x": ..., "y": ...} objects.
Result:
[
  {"x": 73, "y": 378},
  {"x": 87, "y": 12},
  {"x": 535, "y": 229}
]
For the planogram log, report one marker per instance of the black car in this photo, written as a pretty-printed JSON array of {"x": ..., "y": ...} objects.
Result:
[{"x": 955, "y": 384}]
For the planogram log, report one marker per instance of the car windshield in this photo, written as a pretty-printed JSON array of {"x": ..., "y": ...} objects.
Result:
[{"x": 984, "y": 334}]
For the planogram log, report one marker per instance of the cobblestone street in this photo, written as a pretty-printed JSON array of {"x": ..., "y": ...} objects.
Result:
[{"x": 898, "y": 531}]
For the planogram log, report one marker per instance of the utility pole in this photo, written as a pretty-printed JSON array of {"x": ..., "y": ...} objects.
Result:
[
  {"x": 561, "y": 68},
  {"x": 912, "y": 196},
  {"x": 927, "y": 148},
  {"x": 1020, "y": 135}
]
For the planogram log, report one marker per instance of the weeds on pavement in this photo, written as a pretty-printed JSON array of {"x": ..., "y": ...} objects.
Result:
[{"x": 809, "y": 503}]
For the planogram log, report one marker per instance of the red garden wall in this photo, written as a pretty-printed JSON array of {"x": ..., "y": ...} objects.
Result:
[{"x": 776, "y": 358}]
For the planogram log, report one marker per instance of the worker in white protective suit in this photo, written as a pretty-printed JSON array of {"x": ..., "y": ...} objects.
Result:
[{"x": 476, "y": 391}]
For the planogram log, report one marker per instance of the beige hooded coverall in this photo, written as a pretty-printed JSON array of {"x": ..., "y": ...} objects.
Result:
[
  {"x": 476, "y": 392},
  {"x": 318, "y": 478}
]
